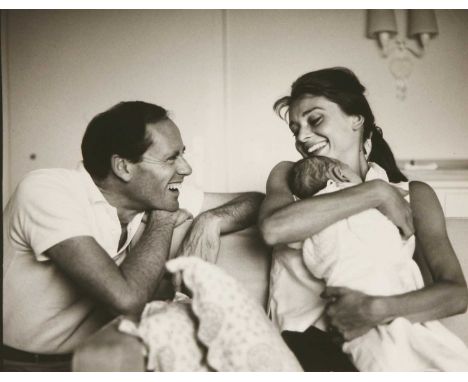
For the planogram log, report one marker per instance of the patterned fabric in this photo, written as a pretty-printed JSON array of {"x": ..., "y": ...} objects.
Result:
[
  {"x": 221, "y": 328},
  {"x": 168, "y": 331}
]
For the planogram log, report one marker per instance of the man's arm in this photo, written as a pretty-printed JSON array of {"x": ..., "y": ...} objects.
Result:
[
  {"x": 234, "y": 211},
  {"x": 222, "y": 213},
  {"x": 125, "y": 289}
]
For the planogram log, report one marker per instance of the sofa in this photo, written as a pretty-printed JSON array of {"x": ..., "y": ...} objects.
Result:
[{"x": 245, "y": 257}]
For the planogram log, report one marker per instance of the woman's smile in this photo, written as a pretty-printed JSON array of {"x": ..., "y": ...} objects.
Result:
[{"x": 318, "y": 148}]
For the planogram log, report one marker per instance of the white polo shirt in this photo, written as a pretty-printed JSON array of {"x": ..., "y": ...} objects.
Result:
[{"x": 43, "y": 312}]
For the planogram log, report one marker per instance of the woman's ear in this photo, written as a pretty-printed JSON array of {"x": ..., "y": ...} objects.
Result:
[
  {"x": 121, "y": 168},
  {"x": 357, "y": 122}
]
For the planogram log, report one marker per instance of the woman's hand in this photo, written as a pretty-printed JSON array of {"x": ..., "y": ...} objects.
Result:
[
  {"x": 350, "y": 312},
  {"x": 395, "y": 207}
]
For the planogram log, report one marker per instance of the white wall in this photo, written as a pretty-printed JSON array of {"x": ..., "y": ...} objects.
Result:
[
  {"x": 66, "y": 66},
  {"x": 219, "y": 72},
  {"x": 269, "y": 49}
]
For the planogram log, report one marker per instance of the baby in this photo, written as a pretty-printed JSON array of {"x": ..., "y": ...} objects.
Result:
[
  {"x": 310, "y": 175},
  {"x": 365, "y": 252}
]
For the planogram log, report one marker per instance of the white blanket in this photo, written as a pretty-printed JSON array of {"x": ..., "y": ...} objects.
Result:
[
  {"x": 220, "y": 329},
  {"x": 365, "y": 252}
]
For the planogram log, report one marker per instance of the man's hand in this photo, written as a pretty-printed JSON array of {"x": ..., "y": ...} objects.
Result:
[
  {"x": 351, "y": 313},
  {"x": 395, "y": 207},
  {"x": 203, "y": 238},
  {"x": 161, "y": 217}
]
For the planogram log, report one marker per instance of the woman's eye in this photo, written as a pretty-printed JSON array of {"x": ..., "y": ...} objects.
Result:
[{"x": 315, "y": 121}]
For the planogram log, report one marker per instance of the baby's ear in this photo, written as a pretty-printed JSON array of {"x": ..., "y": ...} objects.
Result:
[{"x": 339, "y": 174}]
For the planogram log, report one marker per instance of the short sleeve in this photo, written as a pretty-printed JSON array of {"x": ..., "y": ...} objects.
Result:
[
  {"x": 48, "y": 211},
  {"x": 191, "y": 198}
]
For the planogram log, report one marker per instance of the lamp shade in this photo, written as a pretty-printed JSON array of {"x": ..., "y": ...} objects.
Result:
[
  {"x": 422, "y": 21},
  {"x": 380, "y": 20}
]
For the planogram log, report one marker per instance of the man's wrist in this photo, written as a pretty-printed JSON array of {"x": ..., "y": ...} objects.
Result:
[{"x": 209, "y": 218}]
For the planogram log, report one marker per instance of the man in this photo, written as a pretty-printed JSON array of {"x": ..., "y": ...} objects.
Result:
[{"x": 82, "y": 246}]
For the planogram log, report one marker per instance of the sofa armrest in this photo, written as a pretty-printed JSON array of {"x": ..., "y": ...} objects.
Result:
[{"x": 109, "y": 350}]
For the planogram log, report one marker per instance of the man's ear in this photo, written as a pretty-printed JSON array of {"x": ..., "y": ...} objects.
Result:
[
  {"x": 121, "y": 168},
  {"x": 357, "y": 122}
]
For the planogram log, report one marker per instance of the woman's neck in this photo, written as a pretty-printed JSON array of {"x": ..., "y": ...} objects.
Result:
[
  {"x": 363, "y": 166},
  {"x": 358, "y": 164}
]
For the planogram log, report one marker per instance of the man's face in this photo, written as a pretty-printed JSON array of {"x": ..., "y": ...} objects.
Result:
[{"x": 156, "y": 180}]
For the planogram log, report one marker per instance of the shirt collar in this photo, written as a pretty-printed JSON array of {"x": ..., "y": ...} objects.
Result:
[
  {"x": 376, "y": 172},
  {"x": 95, "y": 195}
]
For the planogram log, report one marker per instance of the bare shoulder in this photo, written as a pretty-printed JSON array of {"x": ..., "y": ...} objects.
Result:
[
  {"x": 427, "y": 211},
  {"x": 421, "y": 189},
  {"x": 421, "y": 193},
  {"x": 280, "y": 169},
  {"x": 282, "y": 166}
]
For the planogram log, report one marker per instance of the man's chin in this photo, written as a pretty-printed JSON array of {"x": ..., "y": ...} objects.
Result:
[
  {"x": 173, "y": 207},
  {"x": 167, "y": 205}
]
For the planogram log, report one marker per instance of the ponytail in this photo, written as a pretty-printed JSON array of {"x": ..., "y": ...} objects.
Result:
[{"x": 383, "y": 156}]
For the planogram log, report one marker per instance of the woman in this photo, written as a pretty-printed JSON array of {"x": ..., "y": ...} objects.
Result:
[{"x": 329, "y": 115}]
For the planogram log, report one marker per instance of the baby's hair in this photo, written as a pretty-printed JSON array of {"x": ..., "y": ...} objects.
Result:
[{"x": 310, "y": 175}]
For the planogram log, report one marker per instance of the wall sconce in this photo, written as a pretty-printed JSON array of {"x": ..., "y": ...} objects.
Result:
[{"x": 382, "y": 26}]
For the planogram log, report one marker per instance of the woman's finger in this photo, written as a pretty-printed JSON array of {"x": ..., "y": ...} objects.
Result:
[
  {"x": 333, "y": 292},
  {"x": 402, "y": 191},
  {"x": 330, "y": 292},
  {"x": 408, "y": 228}
]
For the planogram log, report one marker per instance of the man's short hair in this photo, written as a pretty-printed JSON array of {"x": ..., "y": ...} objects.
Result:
[{"x": 120, "y": 130}]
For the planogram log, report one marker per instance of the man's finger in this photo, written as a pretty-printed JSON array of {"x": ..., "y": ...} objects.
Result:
[{"x": 177, "y": 281}]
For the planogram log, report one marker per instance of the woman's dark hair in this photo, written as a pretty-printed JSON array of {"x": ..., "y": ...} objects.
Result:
[
  {"x": 120, "y": 130},
  {"x": 341, "y": 86}
]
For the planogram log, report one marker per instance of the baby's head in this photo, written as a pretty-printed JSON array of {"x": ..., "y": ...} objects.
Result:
[{"x": 309, "y": 175}]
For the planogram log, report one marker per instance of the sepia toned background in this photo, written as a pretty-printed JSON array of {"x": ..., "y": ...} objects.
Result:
[{"x": 218, "y": 72}]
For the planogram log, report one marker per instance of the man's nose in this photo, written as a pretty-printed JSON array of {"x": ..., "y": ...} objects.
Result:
[{"x": 184, "y": 168}]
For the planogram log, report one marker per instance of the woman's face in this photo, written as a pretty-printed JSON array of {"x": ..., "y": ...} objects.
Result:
[{"x": 320, "y": 127}]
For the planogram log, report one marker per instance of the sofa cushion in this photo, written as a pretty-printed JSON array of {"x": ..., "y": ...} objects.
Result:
[{"x": 458, "y": 234}]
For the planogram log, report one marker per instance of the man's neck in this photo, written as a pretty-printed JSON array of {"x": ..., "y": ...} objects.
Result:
[{"x": 117, "y": 199}]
